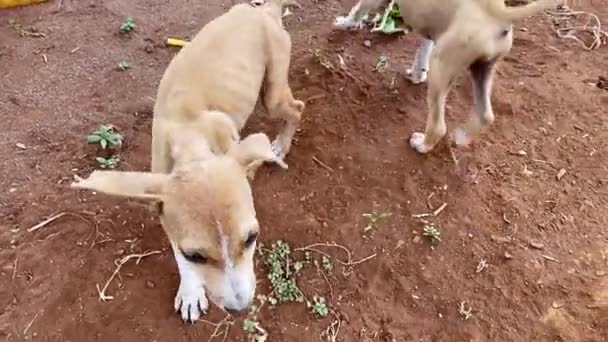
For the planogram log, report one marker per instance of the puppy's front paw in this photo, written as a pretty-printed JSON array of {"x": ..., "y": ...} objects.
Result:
[
  {"x": 347, "y": 22},
  {"x": 417, "y": 143},
  {"x": 299, "y": 105},
  {"x": 191, "y": 303},
  {"x": 278, "y": 149},
  {"x": 416, "y": 76},
  {"x": 461, "y": 138}
]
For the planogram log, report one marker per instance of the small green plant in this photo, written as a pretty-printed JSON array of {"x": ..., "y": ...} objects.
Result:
[
  {"x": 282, "y": 272},
  {"x": 255, "y": 332},
  {"x": 249, "y": 325},
  {"x": 123, "y": 65},
  {"x": 107, "y": 163},
  {"x": 105, "y": 136},
  {"x": 127, "y": 25},
  {"x": 464, "y": 311},
  {"x": 374, "y": 218},
  {"x": 432, "y": 232},
  {"x": 327, "y": 265},
  {"x": 318, "y": 306},
  {"x": 382, "y": 63}
]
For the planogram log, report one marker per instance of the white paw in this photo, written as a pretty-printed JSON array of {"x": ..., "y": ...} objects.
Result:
[
  {"x": 191, "y": 303},
  {"x": 278, "y": 150},
  {"x": 461, "y": 138},
  {"x": 416, "y": 76},
  {"x": 417, "y": 143},
  {"x": 347, "y": 23}
]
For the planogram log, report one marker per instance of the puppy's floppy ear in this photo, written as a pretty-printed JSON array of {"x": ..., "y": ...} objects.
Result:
[
  {"x": 255, "y": 148},
  {"x": 142, "y": 185}
]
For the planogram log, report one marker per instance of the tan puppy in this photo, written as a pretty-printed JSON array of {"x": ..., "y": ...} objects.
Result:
[
  {"x": 458, "y": 35},
  {"x": 199, "y": 166}
]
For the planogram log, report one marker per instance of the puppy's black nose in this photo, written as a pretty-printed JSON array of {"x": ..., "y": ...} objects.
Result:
[{"x": 234, "y": 312}]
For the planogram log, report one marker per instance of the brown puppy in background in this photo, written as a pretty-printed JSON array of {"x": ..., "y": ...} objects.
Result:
[
  {"x": 458, "y": 35},
  {"x": 200, "y": 165}
]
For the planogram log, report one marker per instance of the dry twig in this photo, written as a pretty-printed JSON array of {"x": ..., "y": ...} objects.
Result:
[
  {"x": 46, "y": 222},
  {"x": 119, "y": 263},
  {"x": 15, "y": 268},
  {"x": 227, "y": 322},
  {"x": 322, "y": 164},
  {"x": 564, "y": 28},
  {"x": 348, "y": 262}
]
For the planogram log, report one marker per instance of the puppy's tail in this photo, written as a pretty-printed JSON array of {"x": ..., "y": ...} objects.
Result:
[{"x": 499, "y": 10}]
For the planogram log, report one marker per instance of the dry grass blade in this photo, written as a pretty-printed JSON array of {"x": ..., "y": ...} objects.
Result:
[
  {"x": 333, "y": 330},
  {"x": 29, "y": 325}
]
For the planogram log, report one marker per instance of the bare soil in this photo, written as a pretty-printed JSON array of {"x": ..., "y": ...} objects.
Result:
[{"x": 543, "y": 238}]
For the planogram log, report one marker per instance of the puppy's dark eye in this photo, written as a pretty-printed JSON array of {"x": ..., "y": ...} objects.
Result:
[
  {"x": 195, "y": 257},
  {"x": 251, "y": 239}
]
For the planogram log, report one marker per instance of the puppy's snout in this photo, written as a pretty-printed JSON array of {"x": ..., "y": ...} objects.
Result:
[{"x": 239, "y": 304}]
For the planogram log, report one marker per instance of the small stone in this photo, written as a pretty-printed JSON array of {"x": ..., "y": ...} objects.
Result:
[
  {"x": 325, "y": 225},
  {"x": 560, "y": 174},
  {"x": 119, "y": 252},
  {"x": 400, "y": 244},
  {"x": 508, "y": 256},
  {"x": 21, "y": 146},
  {"x": 416, "y": 239},
  {"x": 150, "y": 284},
  {"x": 367, "y": 43},
  {"x": 600, "y": 273},
  {"x": 536, "y": 244}
]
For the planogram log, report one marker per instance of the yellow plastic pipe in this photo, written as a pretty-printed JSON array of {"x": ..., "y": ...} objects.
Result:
[
  {"x": 15, "y": 3},
  {"x": 174, "y": 41}
]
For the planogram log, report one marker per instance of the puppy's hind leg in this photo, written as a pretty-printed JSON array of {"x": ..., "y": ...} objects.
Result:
[
  {"x": 442, "y": 72},
  {"x": 482, "y": 72},
  {"x": 278, "y": 98},
  {"x": 418, "y": 72}
]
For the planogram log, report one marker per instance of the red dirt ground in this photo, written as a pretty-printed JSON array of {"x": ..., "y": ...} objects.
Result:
[{"x": 544, "y": 239}]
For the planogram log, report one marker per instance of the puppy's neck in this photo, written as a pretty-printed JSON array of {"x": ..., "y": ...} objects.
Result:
[
  {"x": 189, "y": 149},
  {"x": 213, "y": 133}
]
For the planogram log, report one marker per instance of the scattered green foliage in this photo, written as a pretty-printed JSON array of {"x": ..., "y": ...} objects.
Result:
[
  {"x": 127, "y": 25},
  {"x": 432, "y": 232},
  {"x": 374, "y": 218},
  {"x": 105, "y": 136},
  {"x": 108, "y": 163},
  {"x": 318, "y": 306},
  {"x": 282, "y": 272},
  {"x": 123, "y": 65}
]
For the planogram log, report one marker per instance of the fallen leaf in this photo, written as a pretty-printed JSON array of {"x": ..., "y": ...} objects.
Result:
[
  {"x": 560, "y": 174},
  {"x": 536, "y": 244}
]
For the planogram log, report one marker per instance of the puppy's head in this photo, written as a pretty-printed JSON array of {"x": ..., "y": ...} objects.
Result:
[{"x": 208, "y": 214}]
